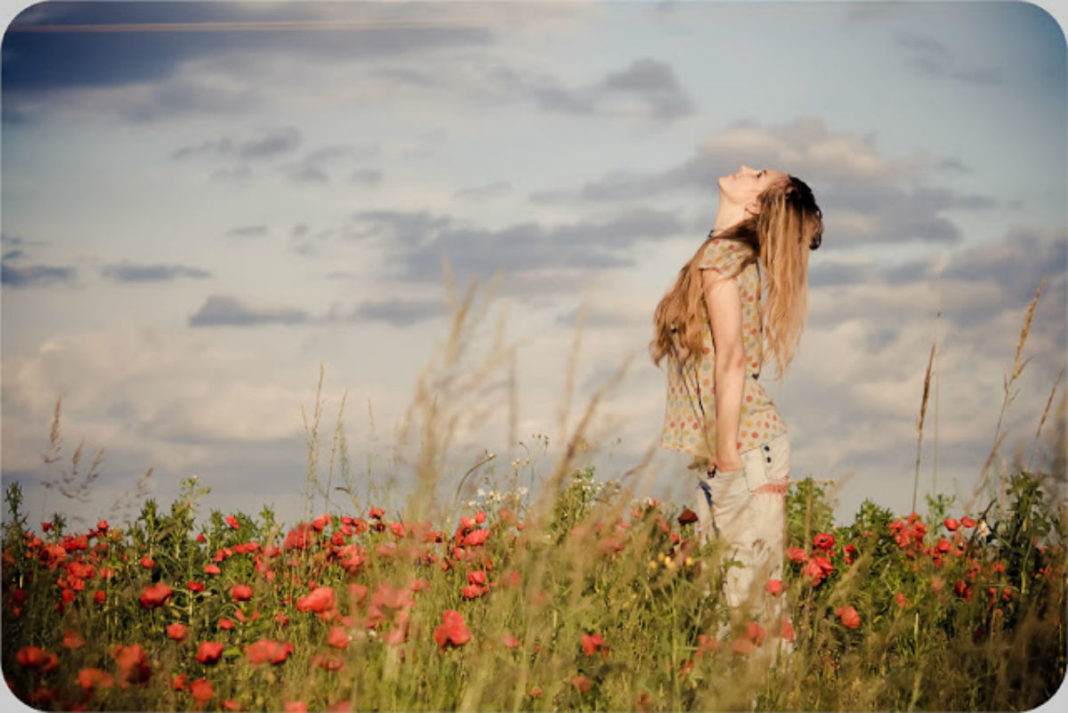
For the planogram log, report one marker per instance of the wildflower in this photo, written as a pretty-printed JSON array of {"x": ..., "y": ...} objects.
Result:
[
  {"x": 327, "y": 662},
  {"x": 320, "y": 600},
  {"x": 72, "y": 640},
  {"x": 397, "y": 528},
  {"x": 338, "y": 638},
  {"x": 774, "y": 586},
  {"x": 177, "y": 631},
  {"x": 194, "y": 586},
  {"x": 212, "y": 569},
  {"x": 99, "y": 596},
  {"x": 241, "y": 592},
  {"x": 453, "y": 630},
  {"x": 963, "y": 590},
  {"x": 581, "y": 683},
  {"x": 477, "y": 577},
  {"x": 951, "y": 524},
  {"x": 179, "y": 682},
  {"x": 231, "y": 705},
  {"x": 591, "y": 643},
  {"x": 266, "y": 650},
  {"x": 232, "y": 522},
  {"x": 36, "y": 657},
  {"x": 147, "y": 562},
  {"x": 376, "y": 513},
  {"x": 321, "y": 522},
  {"x": 209, "y": 652},
  {"x": 823, "y": 541},
  {"x": 475, "y": 538},
  {"x": 687, "y": 516},
  {"x": 967, "y": 521},
  {"x": 102, "y": 525},
  {"x": 796, "y": 554},
  {"x": 473, "y": 591},
  {"x": 295, "y": 707},
  {"x": 849, "y": 617},
  {"x": 201, "y": 538},
  {"x": 509, "y": 641},
  {"x": 787, "y": 630},
  {"x": 201, "y": 690},
  {"x": 92, "y": 678},
  {"x": 817, "y": 568},
  {"x": 46, "y": 526},
  {"x": 132, "y": 662},
  {"x": 155, "y": 595},
  {"x": 225, "y": 623},
  {"x": 900, "y": 599}
]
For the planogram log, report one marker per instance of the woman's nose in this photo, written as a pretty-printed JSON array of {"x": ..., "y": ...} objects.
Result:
[{"x": 745, "y": 168}]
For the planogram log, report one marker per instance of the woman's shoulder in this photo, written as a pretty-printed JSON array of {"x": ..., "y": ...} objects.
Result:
[{"x": 724, "y": 255}]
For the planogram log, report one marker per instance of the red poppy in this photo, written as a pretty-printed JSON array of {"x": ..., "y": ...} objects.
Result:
[
  {"x": 209, "y": 652},
  {"x": 132, "y": 662},
  {"x": 320, "y": 600},
  {"x": 397, "y": 528},
  {"x": 225, "y": 623},
  {"x": 212, "y": 569},
  {"x": 509, "y": 641},
  {"x": 99, "y": 596},
  {"x": 774, "y": 586},
  {"x": 232, "y": 522},
  {"x": 36, "y": 657},
  {"x": 823, "y": 541},
  {"x": 46, "y": 526},
  {"x": 581, "y": 683},
  {"x": 72, "y": 640},
  {"x": 475, "y": 538},
  {"x": 91, "y": 678},
  {"x": 201, "y": 690},
  {"x": 231, "y": 705},
  {"x": 473, "y": 591},
  {"x": 241, "y": 592},
  {"x": 295, "y": 707},
  {"x": 102, "y": 525},
  {"x": 376, "y": 513},
  {"x": 796, "y": 554},
  {"x": 453, "y": 631},
  {"x": 177, "y": 631},
  {"x": 179, "y": 682},
  {"x": 327, "y": 662},
  {"x": 194, "y": 586},
  {"x": 266, "y": 650},
  {"x": 147, "y": 562},
  {"x": 687, "y": 516},
  {"x": 477, "y": 577},
  {"x": 951, "y": 524},
  {"x": 591, "y": 643},
  {"x": 967, "y": 521},
  {"x": 849, "y": 616},
  {"x": 338, "y": 638},
  {"x": 155, "y": 595},
  {"x": 787, "y": 630}
]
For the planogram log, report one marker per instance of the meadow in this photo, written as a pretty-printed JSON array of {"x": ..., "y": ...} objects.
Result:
[{"x": 577, "y": 596}]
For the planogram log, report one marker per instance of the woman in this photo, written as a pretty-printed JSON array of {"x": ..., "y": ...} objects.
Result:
[{"x": 713, "y": 326}]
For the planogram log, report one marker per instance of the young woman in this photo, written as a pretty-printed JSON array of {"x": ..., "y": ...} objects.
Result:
[{"x": 713, "y": 326}]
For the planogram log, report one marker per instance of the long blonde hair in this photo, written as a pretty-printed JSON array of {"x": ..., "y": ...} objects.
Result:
[{"x": 779, "y": 238}]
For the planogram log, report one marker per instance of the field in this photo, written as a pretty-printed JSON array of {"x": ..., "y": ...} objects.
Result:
[{"x": 577, "y": 597}]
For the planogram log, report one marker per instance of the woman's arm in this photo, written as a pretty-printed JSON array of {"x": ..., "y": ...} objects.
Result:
[{"x": 724, "y": 308}]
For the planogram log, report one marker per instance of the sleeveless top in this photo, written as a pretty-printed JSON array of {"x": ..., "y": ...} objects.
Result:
[{"x": 690, "y": 415}]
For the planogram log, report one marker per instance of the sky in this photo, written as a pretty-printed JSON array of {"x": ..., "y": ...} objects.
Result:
[{"x": 203, "y": 204}]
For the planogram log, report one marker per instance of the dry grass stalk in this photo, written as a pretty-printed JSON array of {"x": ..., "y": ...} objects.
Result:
[
  {"x": 311, "y": 437},
  {"x": 919, "y": 425}
]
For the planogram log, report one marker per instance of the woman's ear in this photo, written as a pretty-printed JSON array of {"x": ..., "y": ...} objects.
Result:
[{"x": 752, "y": 208}]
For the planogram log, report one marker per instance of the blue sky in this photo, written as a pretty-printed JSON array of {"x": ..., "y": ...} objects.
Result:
[{"x": 197, "y": 215}]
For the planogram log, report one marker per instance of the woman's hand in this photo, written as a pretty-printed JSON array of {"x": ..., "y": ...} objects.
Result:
[{"x": 727, "y": 461}]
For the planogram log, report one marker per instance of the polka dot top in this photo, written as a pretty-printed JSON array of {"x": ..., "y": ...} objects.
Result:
[{"x": 684, "y": 420}]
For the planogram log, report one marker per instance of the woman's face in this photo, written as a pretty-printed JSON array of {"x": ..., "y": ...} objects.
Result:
[{"x": 744, "y": 185}]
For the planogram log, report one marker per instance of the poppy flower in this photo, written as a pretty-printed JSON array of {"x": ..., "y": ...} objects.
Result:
[
  {"x": 849, "y": 617},
  {"x": 177, "y": 631},
  {"x": 774, "y": 586},
  {"x": 241, "y": 592},
  {"x": 376, "y": 513},
  {"x": 99, "y": 596},
  {"x": 194, "y": 586},
  {"x": 319, "y": 600},
  {"x": 509, "y": 641},
  {"x": 473, "y": 591},
  {"x": 232, "y": 522},
  {"x": 591, "y": 643},
  {"x": 212, "y": 569},
  {"x": 581, "y": 683},
  {"x": 823, "y": 541},
  {"x": 477, "y": 577},
  {"x": 453, "y": 631},
  {"x": 36, "y": 657},
  {"x": 179, "y": 682},
  {"x": 102, "y": 525},
  {"x": 209, "y": 652},
  {"x": 72, "y": 640},
  {"x": 397, "y": 528},
  {"x": 231, "y": 705},
  {"x": 155, "y": 595},
  {"x": 338, "y": 638},
  {"x": 967, "y": 521},
  {"x": 327, "y": 662},
  {"x": 201, "y": 690},
  {"x": 132, "y": 662},
  {"x": 796, "y": 554},
  {"x": 266, "y": 650},
  {"x": 147, "y": 562},
  {"x": 787, "y": 630},
  {"x": 295, "y": 707},
  {"x": 92, "y": 678},
  {"x": 475, "y": 538},
  {"x": 225, "y": 623}
]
